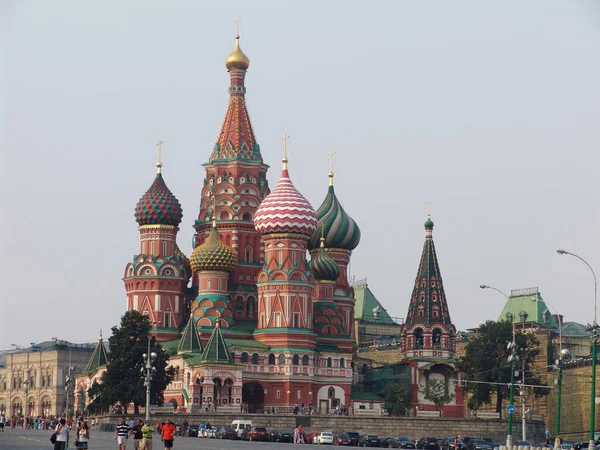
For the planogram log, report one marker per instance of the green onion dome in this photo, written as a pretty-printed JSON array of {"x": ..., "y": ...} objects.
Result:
[
  {"x": 323, "y": 267},
  {"x": 339, "y": 229},
  {"x": 158, "y": 206},
  {"x": 213, "y": 254},
  {"x": 429, "y": 222}
]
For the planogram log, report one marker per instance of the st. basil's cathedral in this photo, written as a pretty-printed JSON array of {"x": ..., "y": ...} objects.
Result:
[{"x": 262, "y": 327}]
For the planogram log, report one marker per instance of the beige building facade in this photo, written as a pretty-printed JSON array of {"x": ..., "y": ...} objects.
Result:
[{"x": 34, "y": 381}]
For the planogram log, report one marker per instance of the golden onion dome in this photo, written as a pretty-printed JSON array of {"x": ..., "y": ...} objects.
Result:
[
  {"x": 237, "y": 59},
  {"x": 214, "y": 254}
]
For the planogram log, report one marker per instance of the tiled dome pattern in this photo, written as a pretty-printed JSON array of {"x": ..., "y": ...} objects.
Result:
[
  {"x": 158, "y": 206},
  {"x": 285, "y": 210},
  {"x": 213, "y": 254}
]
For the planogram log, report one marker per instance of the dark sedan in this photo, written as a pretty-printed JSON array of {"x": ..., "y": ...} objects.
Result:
[
  {"x": 448, "y": 443},
  {"x": 342, "y": 439},
  {"x": 478, "y": 444},
  {"x": 284, "y": 436},
  {"x": 369, "y": 440},
  {"x": 429, "y": 443},
  {"x": 399, "y": 442},
  {"x": 226, "y": 433},
  {"x": 257, "y": 434},
  {"x": 193, "y": 430},
  {"x": 354, "y": 437}
]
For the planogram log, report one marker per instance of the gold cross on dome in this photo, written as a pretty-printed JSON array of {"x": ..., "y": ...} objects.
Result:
[
  {"x": 429, "y": 205},
  {"x": 285, "y": 139},
  {"x": 159, "y": 145}
]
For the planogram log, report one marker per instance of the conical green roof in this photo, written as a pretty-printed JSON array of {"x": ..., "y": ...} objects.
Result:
[
  {"x": 216, "y": 349},
  {"x": 190, "y": 340},
  {"x": 98, "y": 358}
]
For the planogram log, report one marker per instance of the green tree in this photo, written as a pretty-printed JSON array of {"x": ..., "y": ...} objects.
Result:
[
  {"x": 123, "y": 383},
  {"x": 435, "y": 391},
  {"x": 486, "y": 361},
  {"x": 397, "y": 399}
]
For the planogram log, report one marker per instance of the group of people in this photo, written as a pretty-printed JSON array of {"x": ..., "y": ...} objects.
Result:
[
  {"x": 298, "y": 435},
  {"x": 142, "y": 433},
  {"x": 62, "y": 434}
]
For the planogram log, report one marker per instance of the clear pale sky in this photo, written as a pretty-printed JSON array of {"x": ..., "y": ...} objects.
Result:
[{"x": 490, "y": 110}]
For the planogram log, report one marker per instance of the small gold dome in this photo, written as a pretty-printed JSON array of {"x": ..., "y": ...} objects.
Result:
[{"x": 237, "y": 59}]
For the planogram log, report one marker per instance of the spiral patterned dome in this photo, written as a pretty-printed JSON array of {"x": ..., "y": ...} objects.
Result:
[
  {"x": 213, "y": 254},
  {"x": 158, "y": 206},
  {"x": 339, "y": 229},
  {"x": 323, "y": 267},
  {"x": 285, "y": 210}
]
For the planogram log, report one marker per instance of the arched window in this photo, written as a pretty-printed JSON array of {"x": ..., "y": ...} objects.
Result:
[
  {"x": 437, "y": 338},
  {"x": 188, "y": 378},
  {"x": 249, "y": 252},
  {"x": 329, "y": 362},
  {"x": 43, "y": 380},
  {"x": 233, "y": 355},
  {"x": 239, "y": 303},
  {"x": 271, "y": 358},
  {"x": 305, "y": 360},
  {"x": 418, "y": 338},
  {"x": 281, "y": 359},
  {"x": 246, "y": 216},
  {"x": 295, "y": 360},
  {"x": 331, "y": 392},
  {"x": 251, "y": 304},
  {"x": 244, "y": 357},
  {"x": 254, "y": 358},
  {"x": 342, "y": 363}
]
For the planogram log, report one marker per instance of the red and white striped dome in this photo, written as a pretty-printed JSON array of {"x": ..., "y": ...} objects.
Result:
[{"x": 285, "y": 210}]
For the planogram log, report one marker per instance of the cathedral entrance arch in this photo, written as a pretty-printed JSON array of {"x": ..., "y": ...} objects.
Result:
[
  {"x": 253, "y": 395},
  {"x": 329, "y": 397}
]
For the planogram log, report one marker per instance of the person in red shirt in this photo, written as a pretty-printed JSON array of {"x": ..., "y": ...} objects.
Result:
[{"x": 168, "y": 432}]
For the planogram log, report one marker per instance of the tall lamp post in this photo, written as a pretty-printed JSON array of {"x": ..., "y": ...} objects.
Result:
[
  {"x": 564, "y": 353},
  {"x": 594, "y": 338},
  {"x": 150, "y": 370},
  {"x": 512, "y": 359}
]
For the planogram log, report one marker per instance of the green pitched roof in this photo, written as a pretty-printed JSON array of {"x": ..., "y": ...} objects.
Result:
[
  {"x": 527, "y": 306},
  {"x": 170, "y": 346},
  {"x": 98, "y": 359},
  {"x": 190, "y": 340},
  {"x": 216, "y": 349},
  {"x": 366, "y": 303},
  {"x": 359, "y": 394}
]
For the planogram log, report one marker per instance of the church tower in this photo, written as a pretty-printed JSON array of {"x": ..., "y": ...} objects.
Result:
[
  {"x": 285, "y": 219},
  {"x": 156, "y": 280},
  {"x": 428, "y": 330},
  {"x": 341, "y": 235},
  {"x": 236, "y": 179}
]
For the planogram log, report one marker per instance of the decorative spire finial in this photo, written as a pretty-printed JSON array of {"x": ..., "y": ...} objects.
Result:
[
  {"x": 238, "y": 21},
  {"x": 429, "y": 205},
  {"x": 285, "y": 160},
  {"x": 100, "y": 334},
  {"x": 159, "y": 163},
  {"x": 218, "y": 320},
  {"x": 214, "y": 211},
  {"x": 331, "y": 153}
]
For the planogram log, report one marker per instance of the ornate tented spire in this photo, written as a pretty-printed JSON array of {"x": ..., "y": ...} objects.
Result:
[
  {"x": 428, "y": 302},
  {"x": 236, "y": 138},
  {"x": 190, "y": 340}
]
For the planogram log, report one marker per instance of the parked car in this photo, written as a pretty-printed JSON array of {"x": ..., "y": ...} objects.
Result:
[
  {"x": 257, "y": 434},
  {"x": 226, "y": 433},
  {"x": 324, "y": 437},
  {"x": 284, "y": 436},
  {"x": 448, "y": 443},
  {"x": 478, "y": 444},
  {"x": 522, "y": 444},
  {"x": 398, "y": 442},
  {"x": 497, "y": 445},
  {"x": 240, "y": 426},
  {"x": 369, "y": 440},
  {"x": 354, "y": 437},
  {"x": 309, "y": 438},
  {"x": 342, "y": 439},
  {"x": 490, "y": 441},
  {"x": 428, "y": 443}
]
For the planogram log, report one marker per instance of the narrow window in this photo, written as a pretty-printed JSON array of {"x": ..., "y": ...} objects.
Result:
[
  {"x": 281, "y": 359},
  {"x": 164, "y": 249},
  {"x": 295, "y": 360},
  {"x": 296, "y": 320},
  {"x": 329, "y": 362},
  {"x": 254, "y": 358},
  {"x": 278, "y": 394},
  {"x": 305, "y": 360},
  {"x": 342, "y": 363},
  {"x": 249, "y": 252},
  {"x": 244, "y": 357},
  {"x": 271, "y": 359},
  {"x": 167, "y": 319}
]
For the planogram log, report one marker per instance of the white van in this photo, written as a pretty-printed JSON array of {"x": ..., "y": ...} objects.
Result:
[{"x": 240, "y": 425}]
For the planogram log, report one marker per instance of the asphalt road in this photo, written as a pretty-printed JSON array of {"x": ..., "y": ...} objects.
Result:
[{"x": 101, "y": 440}]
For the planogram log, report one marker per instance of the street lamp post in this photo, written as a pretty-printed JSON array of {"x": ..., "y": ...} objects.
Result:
[
  {"x": 594, "y": 338},
  {"x": 150, "y": 370},
  {"x": 512, "y": 359}
]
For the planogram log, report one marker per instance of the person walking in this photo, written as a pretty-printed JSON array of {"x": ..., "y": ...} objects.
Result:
[
  {"x": 62, "y": 435},
  {"x": 168, "y": 433},
  {"x": 558, "y": 442},
  {"x": 83, "y": 435},
  {"x": 121, "y": 434},
  {"x": 146, "y": 436},
  {"x": 137, "y": 434}
]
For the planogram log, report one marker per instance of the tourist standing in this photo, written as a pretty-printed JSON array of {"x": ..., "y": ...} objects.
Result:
[
  {"x": 122, "y": 434},
  {"x": 62, "y": 435},
  {"x": 146, "y": 436},
  {"x": 137, "y": 434},
  {"x": 168, "y": 433},
  {"x": 83, "y": 435}
]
